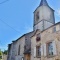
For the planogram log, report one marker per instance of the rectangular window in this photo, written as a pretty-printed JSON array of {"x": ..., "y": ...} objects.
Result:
[
  {"x": 37, "y": 16},
  {"x": 38, "y": 48},
  {"x": 54, "y": 29},
  {"x": 19, "y": 50},
  {"x": 50, "y": 49}
]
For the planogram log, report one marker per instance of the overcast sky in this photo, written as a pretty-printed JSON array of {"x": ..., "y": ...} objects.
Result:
[{"x": 16, "y": 18}]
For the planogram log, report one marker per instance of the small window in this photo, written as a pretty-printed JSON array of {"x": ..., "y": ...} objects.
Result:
[
  {"x": 50, "y": 49},
  {"x": 19, "y": 50},
  {"x": 38, "y": 48},
  {"x": 38, "y": 38},
  {"x": 54, "y": 29},
  {"x": 37, "y": 16}
]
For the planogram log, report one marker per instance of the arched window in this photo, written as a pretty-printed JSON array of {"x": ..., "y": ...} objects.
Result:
[{"x": 38, "y": 48}]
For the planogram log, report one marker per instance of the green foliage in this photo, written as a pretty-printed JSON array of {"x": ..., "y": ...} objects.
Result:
[
  {"x": 1, "y": 55},
  {"x": 5, "y": 52},
  {"x": 0, "y": 52}
]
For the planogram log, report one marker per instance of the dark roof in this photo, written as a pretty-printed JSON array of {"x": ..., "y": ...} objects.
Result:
[
  {"x": 23, "y": 36},
  {"x": 43, "y": 2}
]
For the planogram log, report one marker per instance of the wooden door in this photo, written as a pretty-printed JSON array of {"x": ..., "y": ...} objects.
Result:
[{"x": 27, "y": 57}]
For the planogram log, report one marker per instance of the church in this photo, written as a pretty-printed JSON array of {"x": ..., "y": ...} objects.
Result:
[{"x": 43, "y": 43}]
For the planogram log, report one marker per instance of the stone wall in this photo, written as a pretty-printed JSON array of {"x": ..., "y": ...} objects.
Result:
[
  {"x": 47, "y": 35},
  {"x": 4, "y": 57}
]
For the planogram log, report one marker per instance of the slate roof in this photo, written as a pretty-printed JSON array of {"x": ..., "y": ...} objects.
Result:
[{"x": 43, "y": 2}]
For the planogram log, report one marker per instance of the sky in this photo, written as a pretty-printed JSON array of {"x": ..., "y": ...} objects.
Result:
[{"x": 16, "y": 18}]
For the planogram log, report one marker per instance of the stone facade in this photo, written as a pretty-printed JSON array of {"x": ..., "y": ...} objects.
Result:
[
  {"x": 17, "y": 49},
  {"x": 48, "y": 35},
  {"x": 21, "y": 43},
  {"x": 4, "y": 57},
  {"x": 13, "y": 51}
]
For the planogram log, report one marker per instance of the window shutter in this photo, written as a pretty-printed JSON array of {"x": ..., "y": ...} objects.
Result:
[
  {"x": 22, "y": 58},
  {"x": 45, "y": 53},
  {"x": 54, "y": 48},
  {"x": 34, "y": 51},
  {"x": 41, "y": 50}
]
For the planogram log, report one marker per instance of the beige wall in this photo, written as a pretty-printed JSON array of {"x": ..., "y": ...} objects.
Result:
[
  {"x": 4, "y": 57},
  {"x": 20, "y": 42},
  {"x": 47, "y": 36}
]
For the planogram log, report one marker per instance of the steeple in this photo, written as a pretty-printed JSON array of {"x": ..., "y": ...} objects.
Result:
[
  {"x": 43, "y": 2},
  {"x": 43, "y": 16}
]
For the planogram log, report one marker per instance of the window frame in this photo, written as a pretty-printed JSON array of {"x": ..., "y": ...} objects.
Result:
[
  {"x": 48, "y": 49},
  {"x": 37, "y": 55},
  {"x": 19, "y": 50},
  {"x": 37, "y": 15},
  {"x": 38, "y": 37}
]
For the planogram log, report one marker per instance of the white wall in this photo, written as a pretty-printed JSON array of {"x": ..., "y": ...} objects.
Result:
[
  {"x": 45, "y": 14},
  {"x": 39, "y": 26}
]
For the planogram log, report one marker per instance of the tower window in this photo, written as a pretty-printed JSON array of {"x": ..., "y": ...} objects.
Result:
[
  {"x": 50, "y": 49},
  {"x": 37, "y": 16}
]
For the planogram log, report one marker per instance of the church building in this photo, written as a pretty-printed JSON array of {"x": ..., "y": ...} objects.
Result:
[{"x": 43, "y": 43}]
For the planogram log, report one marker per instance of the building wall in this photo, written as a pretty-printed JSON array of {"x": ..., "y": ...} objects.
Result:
[
  {"x": 14, "y": 47},
  {"x": 47, "y": 24},
  {"x": 47, "y": 36},
  {"x": 45, "y": 14},
  {"x": 14, "y": 53},
  {"x": 39, "y": 26},
  {"x": 42, "y": 25},
  {"x": 4, "y": 57},
  {"x": 9, "y": 51},
  {"x": 28, "y": 40},
  {"x": 50, "y": 36},
  {"x": 20, "y": 42}
]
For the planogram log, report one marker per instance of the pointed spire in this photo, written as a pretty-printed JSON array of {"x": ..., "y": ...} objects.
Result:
[{"x": 43, "y": 2}]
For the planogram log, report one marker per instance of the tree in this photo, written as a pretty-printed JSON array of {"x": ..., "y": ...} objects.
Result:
[
  {"x": 5, "y": 52},
  {"x": 0, "y": 52}
]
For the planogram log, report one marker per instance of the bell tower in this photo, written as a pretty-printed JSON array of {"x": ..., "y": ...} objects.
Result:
[{"x": 43, "y": 16}]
